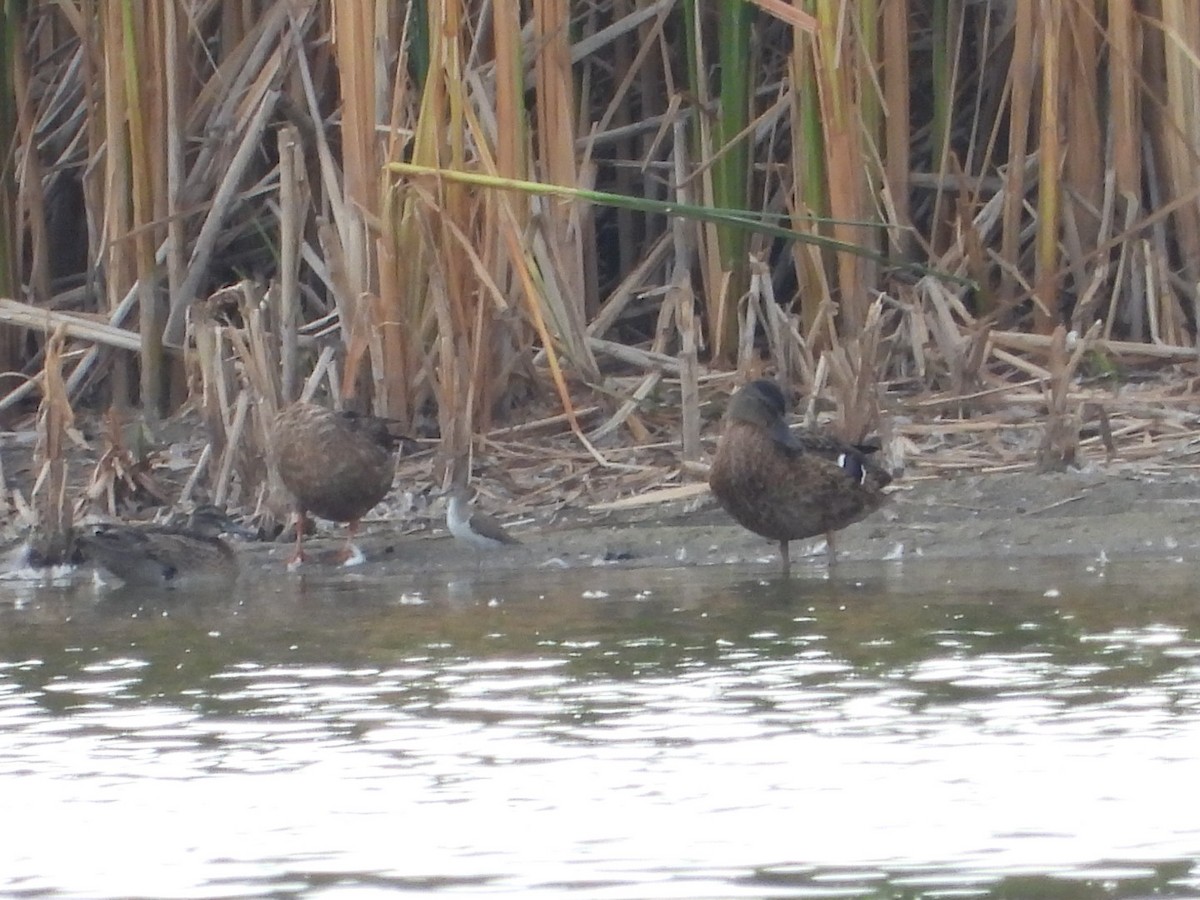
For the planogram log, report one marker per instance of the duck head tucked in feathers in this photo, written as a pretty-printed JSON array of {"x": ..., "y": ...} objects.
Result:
[
  {"x": 186, "y": 550},
  {"x": 787, "y": 484},
  {"x": 337, "y": 465}
]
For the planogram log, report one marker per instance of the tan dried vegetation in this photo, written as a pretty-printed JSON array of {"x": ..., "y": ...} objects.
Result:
[{"x": 553, "y": 236}]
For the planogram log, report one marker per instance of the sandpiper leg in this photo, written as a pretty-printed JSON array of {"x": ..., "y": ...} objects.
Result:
[{"x": 785, "y": 558}]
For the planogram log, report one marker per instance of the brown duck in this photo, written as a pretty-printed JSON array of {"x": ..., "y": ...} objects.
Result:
[
  {"x": 188, "y": 550},
  {"x": 789, "y": 485},
  {"x": 336, "y": 465}
]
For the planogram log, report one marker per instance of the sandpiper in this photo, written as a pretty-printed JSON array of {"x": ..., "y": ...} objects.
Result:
[{"x": 469, "y": 524}]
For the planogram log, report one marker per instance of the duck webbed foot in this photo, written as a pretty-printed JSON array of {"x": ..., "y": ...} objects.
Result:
[{"x": 351, "y": 554}]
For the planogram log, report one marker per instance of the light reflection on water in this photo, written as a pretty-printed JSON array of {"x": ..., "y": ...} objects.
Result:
[{"x": 698, "y": 733}]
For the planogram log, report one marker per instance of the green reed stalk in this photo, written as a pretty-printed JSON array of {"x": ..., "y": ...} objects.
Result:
[{"x": 739, "y": 219}]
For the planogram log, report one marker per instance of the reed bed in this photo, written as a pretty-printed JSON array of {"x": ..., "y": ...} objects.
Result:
[{"x": 550, "y": 238}]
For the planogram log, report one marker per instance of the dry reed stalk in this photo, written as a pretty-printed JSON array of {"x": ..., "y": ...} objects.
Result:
[
  {"x": 627, "y": 409},
  {"x": 1125, "y": 51},
  {"x": 463, "y": 109},
  {"x": 240, "y": 388},
  {"x": 962, "y": 347},
  {"x": 52, "y": 528},
  {"x": 643, "y": 359},
  {"x": 854, "y": 368},
  {"x": 1021, "y": 71},
  {"x": 730, "y": 161},
  {"x": 808, "y": 195},
  {"x": 1060, "y": 438},
  {"x": 11, "y": 28},
  {"x": 1181, "y": 134},
  {"x": 1084, "y": 174},
  {"x": 562, "y": 310},
  {"x": 28, "y": 194},
  {"x": 653, "y": 498},
  {"x": 630, "y": 286},
  {"x": 1131, "y": 350},
  {"x": 119, "y": 265},
  {"x": 896, "y": 92},
  {"x": 789, "y": 351},
  {"x": 1021, "y": 364},
  {"x": 533, "y": 309},
  {"x": 1046, "y": 312},
  {"x": 689, "y": 367},
  {"x": 720, "y": 310},
  {"x": 141, "y": 50},
  {"x": 177, "y": 89},
  {"x": 259, "y": 113},
  {"x": 814, "y": 390},
  {"x": 362, "y": 49},
  {"x": 680, "y": 301},
  {"x": 841, "y": 84},
  {"x": 398, "y": 274},
  {"x": 237, "y": 427},
  {"x": 188, "y": 491},
  {"x": 123, "y": 476},
  {"x": 209, "y": 342},
  {"x": 747, "y": 357},
  {"x": 293, "y": 208},
  {"x": 555, "y": 142},
  {"x": 73, "y": 325}
]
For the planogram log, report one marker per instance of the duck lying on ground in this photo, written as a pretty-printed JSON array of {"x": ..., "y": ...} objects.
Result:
[{"x": 186, "y": 550}]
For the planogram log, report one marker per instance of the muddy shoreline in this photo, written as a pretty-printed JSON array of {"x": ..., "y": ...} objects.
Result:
[
  {"x": 1090, "y": 514},
  {"x": 1104, "y": 510}
]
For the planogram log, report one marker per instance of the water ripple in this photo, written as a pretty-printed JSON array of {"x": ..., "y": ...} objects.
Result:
[{"x": 715, "y": 748}]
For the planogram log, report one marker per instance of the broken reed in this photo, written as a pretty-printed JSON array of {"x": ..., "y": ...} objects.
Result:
[{"x": 870, "y": 113}]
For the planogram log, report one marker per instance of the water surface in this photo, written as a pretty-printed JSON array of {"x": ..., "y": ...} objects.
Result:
[{"x": 908, "y": 730}]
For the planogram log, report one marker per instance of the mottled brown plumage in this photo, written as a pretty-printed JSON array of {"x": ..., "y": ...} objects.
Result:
[
  {"x": 337, "y": 465},
  {"x": 186, "y": 551},
  {"x": 789, "y": 485}
]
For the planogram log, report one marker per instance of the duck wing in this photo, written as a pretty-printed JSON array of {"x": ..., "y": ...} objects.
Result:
[{"x": 853, "y": 459}]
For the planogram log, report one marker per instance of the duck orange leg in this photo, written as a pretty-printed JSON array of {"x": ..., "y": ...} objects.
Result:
[
  {"x": 830, "y": 549},
  {"x": 298, "y": 555}
]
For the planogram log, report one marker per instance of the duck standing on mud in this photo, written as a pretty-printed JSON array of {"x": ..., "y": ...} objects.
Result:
[
  {"x": 789, "y": 485},
  {"x": 337, "y": 465}
]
